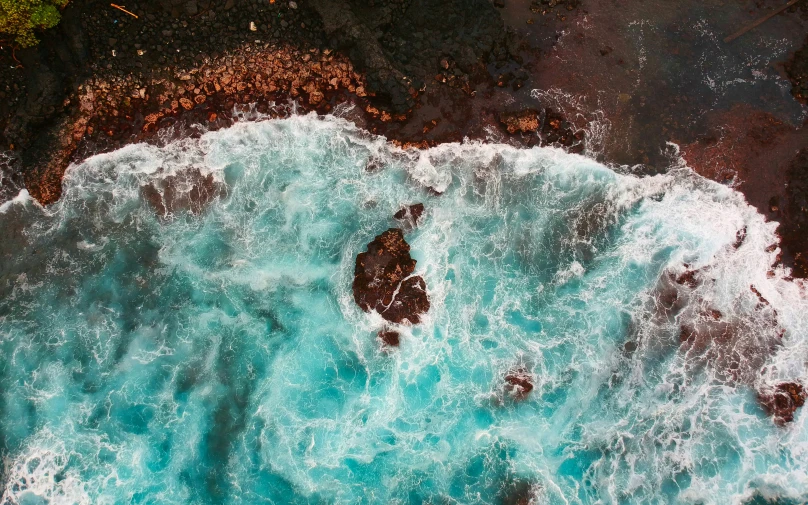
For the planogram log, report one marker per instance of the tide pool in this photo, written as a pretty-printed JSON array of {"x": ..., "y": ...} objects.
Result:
[{"x": 213, "y": 353}]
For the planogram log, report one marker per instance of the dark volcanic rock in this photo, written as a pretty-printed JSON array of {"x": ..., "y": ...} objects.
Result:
[
  {"x": 518, "y": 383},
  {"x": 383, "y": 282},
  {"x": 794, "y": 227},
  {"x": 689, "y": 279},
  {"x": 783, "y": 401},
  {"x": 410, "y": 214},
  {"x": 797, "y": 70},
  {"x": 350, "y": 33},
  {"x": 517, "y": 492},
  {"x": 390, "y": 338}
]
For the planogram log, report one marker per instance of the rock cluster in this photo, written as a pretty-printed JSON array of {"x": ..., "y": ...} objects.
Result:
[
  {"x": 524, "y": 121},
  {"x": 550, "y": 127},
  {"x": 384, "y": 280},
  {"x": 130, "y": 107}
]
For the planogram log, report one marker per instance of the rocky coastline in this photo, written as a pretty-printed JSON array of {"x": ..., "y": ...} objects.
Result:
[{"x": 420, "y": 72}]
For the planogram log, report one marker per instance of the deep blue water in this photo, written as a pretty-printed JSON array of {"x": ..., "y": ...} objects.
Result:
[{"x": 217, "y": 356}]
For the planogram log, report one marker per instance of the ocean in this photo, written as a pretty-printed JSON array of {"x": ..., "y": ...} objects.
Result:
[{"x": 180, "y": 328}]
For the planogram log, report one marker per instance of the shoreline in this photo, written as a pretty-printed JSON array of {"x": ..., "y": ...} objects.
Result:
[{"x": 103, "y": 79}]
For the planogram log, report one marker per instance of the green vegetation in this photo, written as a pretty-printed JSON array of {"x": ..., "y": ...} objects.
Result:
[{"x": 20, "y": 18}]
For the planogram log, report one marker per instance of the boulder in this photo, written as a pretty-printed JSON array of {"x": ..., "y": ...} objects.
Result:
[{"x": 383, "y": 280}]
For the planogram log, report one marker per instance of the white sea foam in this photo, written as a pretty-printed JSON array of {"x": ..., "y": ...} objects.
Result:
[{"x": 233, "y": 330}]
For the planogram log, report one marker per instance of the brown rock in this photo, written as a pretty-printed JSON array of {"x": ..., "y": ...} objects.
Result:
[
  {"x": 783, "y": 401},
  {"x": 390, "y": 338},
  {"x": 383, "y": 282},
  {"x": 315, "y": 97},
  {"x": 518, "y": 383},
  {"x": 524, "y": 121}
]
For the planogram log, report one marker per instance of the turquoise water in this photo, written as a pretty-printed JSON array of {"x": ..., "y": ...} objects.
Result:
[{"x": 217, "y": 356}]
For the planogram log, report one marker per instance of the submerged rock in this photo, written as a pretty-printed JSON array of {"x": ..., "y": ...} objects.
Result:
[
  {"x": 188, "y": 190},
  {"x": 518, "y": 492},
  {"x": 383, "y": 280},
  {"x": 518, "y": 383},
  {"x": 390, "y": 338},
  {"x": 783, "y": 401}
]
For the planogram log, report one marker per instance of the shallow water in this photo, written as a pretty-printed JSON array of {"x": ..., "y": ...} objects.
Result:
[{"x": 217, "y": 356}]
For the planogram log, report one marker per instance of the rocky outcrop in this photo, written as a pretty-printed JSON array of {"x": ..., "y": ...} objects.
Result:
[
  {"x": 410, "y": 215},
  {"x": 41, "y": 125},
  {"x": 383, "y": 280},
  {"x": 783, "y": 401},
  {"x": 550, "y": 126}
]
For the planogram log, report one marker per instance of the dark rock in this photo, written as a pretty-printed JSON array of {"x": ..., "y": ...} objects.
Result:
[
  {"x": 374, "y": 164},
  {"x": 782, "y": 401},
  {"x": 794, "y": 222},
  {"x": 689, "y": 278},
  {"x": 390, "y": 338},
  {"x": 383, "y": 281},
  {"x": 169, "y": 195},
  {"x": 518, "y": 383},
  {"x": 410, "y": 214},
  {"x": 797, "y": 71},
  {"x": 517, "y": 492},
  {"x": 740, "y": 237}
]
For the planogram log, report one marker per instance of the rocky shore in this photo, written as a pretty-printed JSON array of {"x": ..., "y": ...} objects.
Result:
[{"x": 591, "y": 77}]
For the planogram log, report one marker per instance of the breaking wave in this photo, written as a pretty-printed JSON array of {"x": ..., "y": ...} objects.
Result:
[{"x": 180, "y": 328}]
